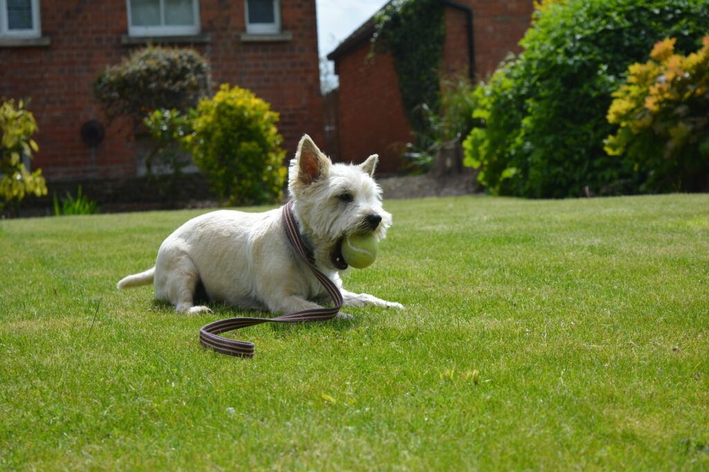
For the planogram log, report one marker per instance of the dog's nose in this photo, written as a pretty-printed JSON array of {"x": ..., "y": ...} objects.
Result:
[{"x": 373, "y": 221}]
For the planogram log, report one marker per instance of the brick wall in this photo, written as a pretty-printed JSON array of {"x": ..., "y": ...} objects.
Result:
[
  {"x": 372, "y": 120},
  {"x": 371, "y": 116},
  {"x": 86, "y": 37},
  {"x": 456, "y": 55},
  {"x": 498, "y": 26}
]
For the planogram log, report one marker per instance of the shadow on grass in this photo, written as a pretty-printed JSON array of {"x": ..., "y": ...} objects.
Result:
[{"x": 280, "y": 330}]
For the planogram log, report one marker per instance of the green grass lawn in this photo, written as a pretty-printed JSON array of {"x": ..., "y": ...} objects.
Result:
[{"x": 538, "y": 335}]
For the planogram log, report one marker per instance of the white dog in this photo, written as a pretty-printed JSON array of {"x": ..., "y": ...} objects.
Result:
[{"x": 245, "y": 259}]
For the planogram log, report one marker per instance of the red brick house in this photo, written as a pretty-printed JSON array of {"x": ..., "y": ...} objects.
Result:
[
  {"x": 52, "y": 50},
  {"x": 479, "y": 34}
]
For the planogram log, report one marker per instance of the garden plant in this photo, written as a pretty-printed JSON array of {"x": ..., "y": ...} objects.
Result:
[
  {"x": 542, "y": 115},
  {"x": 663, "y": 117},
  {"x": 448, "y": 125},
  {"x": 155, "y": 88},
  {"x": 153, "y": 78},
  {"x": 234, "y": 140},
  {"x": 17, "y": 125},
  {"x": 74, "y": 205}
]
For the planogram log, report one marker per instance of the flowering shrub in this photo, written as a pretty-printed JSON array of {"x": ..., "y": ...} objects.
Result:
[
  {"x": 663, "y": 117},
  {"x": 153, "y": 78},
  {"x": 17, "y": 125},
  {"x": 235, "y": 141}
]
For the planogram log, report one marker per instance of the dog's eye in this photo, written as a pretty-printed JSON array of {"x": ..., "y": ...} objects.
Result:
[{"x": 346, "y": 197}]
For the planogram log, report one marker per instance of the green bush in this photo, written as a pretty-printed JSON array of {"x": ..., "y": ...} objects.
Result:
[
  {"x": 543, "y": 114},
  {"x": 153, "y": 78},
  {"x": 236, "y": 143},
  {"x": 17, "y": 125},
  {"x": 663, "y": 117}
]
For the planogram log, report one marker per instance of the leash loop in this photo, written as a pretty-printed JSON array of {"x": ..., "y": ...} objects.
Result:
[{"x": 209, "y": 334}]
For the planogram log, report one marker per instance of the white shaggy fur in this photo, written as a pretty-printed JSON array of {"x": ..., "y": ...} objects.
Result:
[{"x": 245, "y": 260}]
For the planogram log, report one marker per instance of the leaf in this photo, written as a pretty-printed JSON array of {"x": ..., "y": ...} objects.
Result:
[{"x": 328, "y": 398}]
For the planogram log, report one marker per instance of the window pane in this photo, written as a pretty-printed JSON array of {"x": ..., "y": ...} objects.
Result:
[
  {"x": 179, "y": 12},
  {"x": 145, "y": 12},
  {"x": 261, "y": 11},
  {"x": 19, "y": 14}
]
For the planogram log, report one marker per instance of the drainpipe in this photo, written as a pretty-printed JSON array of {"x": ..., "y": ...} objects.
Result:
[{"x": 471, "y": 47}]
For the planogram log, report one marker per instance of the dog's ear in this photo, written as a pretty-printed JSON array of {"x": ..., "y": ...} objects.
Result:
[
  {"x": 370, "y": 165},
  {"x": 312, "y": 164}
]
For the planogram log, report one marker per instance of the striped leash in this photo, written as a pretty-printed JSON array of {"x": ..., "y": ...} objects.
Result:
[{"x": 209, "y": 334}]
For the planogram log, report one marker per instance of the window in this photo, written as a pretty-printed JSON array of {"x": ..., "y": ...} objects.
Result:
[
  {"x": 263, "y": 16},
  {"x": 19, "y": 18},
  {"x": 163, "y": 17}
]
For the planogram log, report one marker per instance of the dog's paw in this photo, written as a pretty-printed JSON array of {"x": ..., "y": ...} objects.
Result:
[
  {"x": 395, "y": 305},
  {"x": 199, "y": 310},
  {"x": 344, "y": 316}
]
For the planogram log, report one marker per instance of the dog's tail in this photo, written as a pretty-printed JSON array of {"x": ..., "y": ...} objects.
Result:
[{"x": 135, "y": 280}]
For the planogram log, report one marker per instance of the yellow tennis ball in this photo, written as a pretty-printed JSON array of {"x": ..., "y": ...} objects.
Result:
[{"x": 360, "y": 250}]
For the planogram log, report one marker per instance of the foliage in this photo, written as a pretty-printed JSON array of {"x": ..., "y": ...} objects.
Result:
[
  {"x": 451, "y": 123},
  {"x": 543, "y": 113},
  {"x": 455, "y": 119},
  {"x": 79, "y": 205},
  {"x": 663, "y": 115},
  {"x": 543, "y": 5},
  {"x": 17, "y": 125},
  {"x": 169, "y": 129},
  {"x": 153, "y": 78},
  {"x": 167, "y": 156},
  {"x": 413, "y": 32},
  {"x": 236, "y": 142}
]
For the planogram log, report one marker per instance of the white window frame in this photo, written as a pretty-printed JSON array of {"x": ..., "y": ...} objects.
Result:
[
  {"x": 264, "y": 28},
  {"x": 164, "y": 30},
  {"x": 6, "y": 32}
]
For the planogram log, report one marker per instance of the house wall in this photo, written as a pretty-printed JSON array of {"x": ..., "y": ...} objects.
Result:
[
  {"x": 498, "y": 26},
  {"x": 86, "y": 37},
  {"x": 456, "y": 56},
  {"x": 371, "y": 116}
]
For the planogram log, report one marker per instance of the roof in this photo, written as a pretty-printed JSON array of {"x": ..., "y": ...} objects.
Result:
[
  {"x": 359, "y": 36},
  {"x": 365, "y": 32}
]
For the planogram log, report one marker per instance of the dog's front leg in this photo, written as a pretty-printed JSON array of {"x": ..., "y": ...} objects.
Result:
[{"x": 362, "y": 299}]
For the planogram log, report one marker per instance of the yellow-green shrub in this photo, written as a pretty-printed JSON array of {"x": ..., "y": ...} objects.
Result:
[
  {"x": 663, "y": 114},
  {"x": 17, "y": 125},
  {"x": 236, "y": 143}
]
